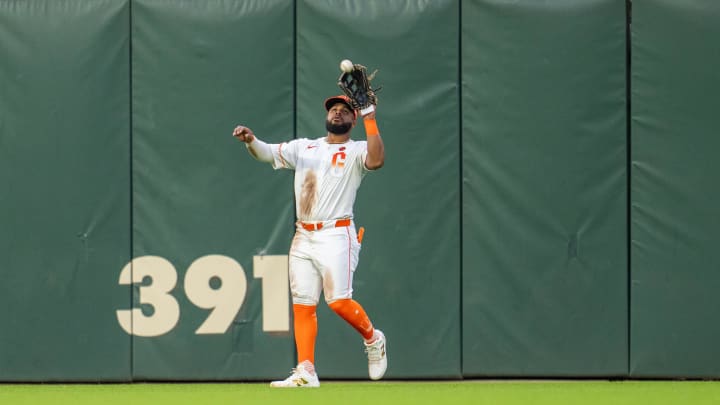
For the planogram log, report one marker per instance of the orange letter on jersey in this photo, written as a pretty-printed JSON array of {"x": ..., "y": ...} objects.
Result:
[{"x": 338, "y": 159}]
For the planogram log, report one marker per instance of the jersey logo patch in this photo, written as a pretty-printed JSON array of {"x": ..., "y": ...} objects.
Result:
[
  {"x": 338, "y": 164},
  {"x": 338, "y": 159},
  {"x": 312, "y": 146}
]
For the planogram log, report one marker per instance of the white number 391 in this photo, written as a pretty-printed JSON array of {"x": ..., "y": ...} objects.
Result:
[{"x": 224, "y": 301}]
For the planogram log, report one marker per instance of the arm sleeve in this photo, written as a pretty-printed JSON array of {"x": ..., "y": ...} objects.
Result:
[
  {"x": 286, "y": 154},
  {"x": 260, "y": 150}
]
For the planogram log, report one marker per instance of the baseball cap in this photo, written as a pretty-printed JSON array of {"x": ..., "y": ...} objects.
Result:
[{"x": 331, "y": 101}]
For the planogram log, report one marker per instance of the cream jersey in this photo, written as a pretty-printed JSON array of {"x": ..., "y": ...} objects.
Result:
[{"x": 327, "y": 176}]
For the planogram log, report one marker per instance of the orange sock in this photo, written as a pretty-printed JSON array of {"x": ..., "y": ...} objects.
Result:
[
  {"x": 354, "y": 314},
  {"x": 306, "y": 327}
]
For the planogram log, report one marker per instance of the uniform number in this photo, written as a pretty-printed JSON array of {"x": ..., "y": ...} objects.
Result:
[{"x": 157, "y": 278}]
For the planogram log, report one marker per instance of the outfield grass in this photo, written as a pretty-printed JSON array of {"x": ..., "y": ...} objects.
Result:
[{"x": 368, "y": 393}]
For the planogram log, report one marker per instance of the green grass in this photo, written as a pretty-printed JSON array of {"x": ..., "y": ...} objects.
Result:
[{"x": 369, "y": 393}]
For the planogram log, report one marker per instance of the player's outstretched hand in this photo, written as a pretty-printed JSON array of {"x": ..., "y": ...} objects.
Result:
[{"x": 244, "y": 134}]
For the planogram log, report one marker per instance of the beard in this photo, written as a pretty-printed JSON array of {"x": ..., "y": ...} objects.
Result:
[{"x": 337, "y": 129}]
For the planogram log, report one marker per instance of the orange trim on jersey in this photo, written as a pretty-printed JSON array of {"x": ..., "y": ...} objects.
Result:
[
  {"x": 371, "y": 128},
  {"x": 282, "y": 159}
]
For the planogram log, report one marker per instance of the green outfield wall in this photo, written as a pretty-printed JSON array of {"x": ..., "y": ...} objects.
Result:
[
  {"x": 675, "y": 207},
  {"x": 548, "y": 206},
  {"x": 65, "y": 195},
  {"x": 544, "y": 231}
]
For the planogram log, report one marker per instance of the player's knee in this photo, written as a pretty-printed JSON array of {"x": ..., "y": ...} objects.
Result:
[
  {"x": 344, "y": 306},
  {"x": 338, "y": 304},
  {"x": 304, "y": 300}
]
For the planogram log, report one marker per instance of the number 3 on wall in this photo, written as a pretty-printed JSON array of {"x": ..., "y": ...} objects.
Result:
[{"x": 225, "y": 300}]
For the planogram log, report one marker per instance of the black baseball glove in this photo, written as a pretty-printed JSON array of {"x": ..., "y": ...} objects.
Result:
[{"x": 356, "y": 85}]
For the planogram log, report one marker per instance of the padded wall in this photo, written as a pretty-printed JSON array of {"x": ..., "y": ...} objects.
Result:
[
  {"x": 675, "y": 197},
  {"x": 544, "y": 188},
  {"x": 199, "y": 69},
  {"x": 65, "y": 189},
  {"x": 497, "y": 234}
]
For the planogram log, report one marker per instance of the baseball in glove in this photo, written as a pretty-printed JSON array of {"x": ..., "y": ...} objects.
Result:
[{"x": 355, "y": 83}]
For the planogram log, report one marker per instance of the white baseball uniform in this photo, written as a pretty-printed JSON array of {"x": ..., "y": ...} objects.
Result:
[{"x": 325, "y": 249}]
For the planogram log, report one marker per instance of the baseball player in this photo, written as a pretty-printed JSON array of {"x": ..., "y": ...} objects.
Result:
[{"x": 325, "y": 249}]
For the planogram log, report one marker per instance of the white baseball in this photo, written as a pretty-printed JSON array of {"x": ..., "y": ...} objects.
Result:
[{"x": 346, "y": 66}]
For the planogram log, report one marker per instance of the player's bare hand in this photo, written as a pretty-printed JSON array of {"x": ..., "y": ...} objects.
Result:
[{"x": 244, "y": 134}]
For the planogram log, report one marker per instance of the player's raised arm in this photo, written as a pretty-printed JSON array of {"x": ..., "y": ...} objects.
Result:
[
  {"x": 355, "y": 83},
  {"x": 257, "y": 148},
  {"x": 375, "y": 147}
]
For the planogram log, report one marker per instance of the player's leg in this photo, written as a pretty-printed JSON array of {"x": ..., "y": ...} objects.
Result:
[
  {"x": 305, "y": 286},
  {"x": 339, "y": 260},
  {"x": 305, "y": 326},
  {"x": 354, "y": 314},
  {"x": 375, "y": 343}
]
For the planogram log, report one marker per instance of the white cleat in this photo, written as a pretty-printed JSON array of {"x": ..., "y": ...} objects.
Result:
[
  {"x": 377, "y": 356},
  {"x": 300, "y": 378}
]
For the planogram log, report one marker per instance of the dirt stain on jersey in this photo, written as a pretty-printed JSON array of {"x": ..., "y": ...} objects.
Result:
[
  {"x": 308, "y": 194},
  {"x": 295, "y": 241}
]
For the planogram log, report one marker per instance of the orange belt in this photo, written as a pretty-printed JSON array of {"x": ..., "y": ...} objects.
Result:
[{"x": 316, "y": 226}]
